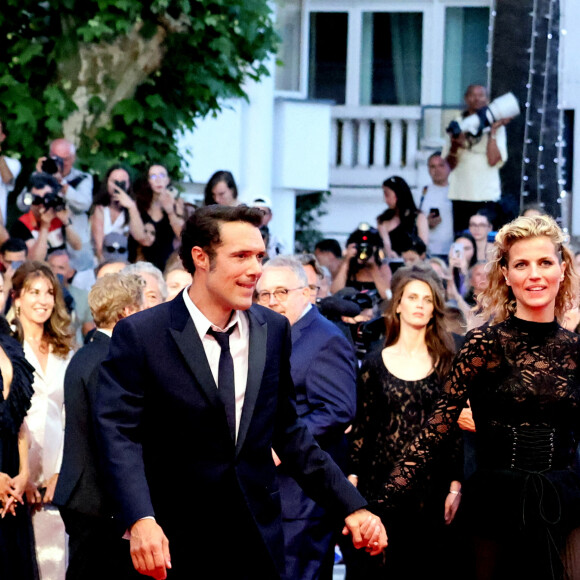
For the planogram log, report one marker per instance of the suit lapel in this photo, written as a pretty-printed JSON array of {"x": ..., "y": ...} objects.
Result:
[
  {"x": 187, "y": 339},
  {"x": 256, "y": 364}
]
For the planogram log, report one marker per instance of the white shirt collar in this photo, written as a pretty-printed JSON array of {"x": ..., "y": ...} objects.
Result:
[{"x": 201, "y": 322}]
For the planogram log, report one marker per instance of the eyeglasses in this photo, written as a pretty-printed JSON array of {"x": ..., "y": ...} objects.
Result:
[
  {"x": 313, "y": 287},
  {"x": 116, "y": 248},
  {"x": 280, "y": 294},
  {"x": 156, "y": 176}
]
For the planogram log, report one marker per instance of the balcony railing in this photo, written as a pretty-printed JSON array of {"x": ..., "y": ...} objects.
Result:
[{"x": 369, "y": 141}]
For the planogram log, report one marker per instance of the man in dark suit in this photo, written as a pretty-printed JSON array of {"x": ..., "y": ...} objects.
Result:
[
  {"x": 187, "y": 426},
  {"x": 96, "y": 547},
  {"x": 323, "y": 365}
]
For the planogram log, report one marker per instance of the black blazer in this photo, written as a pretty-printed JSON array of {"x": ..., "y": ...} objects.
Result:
[
  {"x": 167, "y": 445},
  {"x": 79, "y": 485}
]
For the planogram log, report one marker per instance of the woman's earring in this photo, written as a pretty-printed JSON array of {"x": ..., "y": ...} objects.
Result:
[{"x": 18, "y": 312}]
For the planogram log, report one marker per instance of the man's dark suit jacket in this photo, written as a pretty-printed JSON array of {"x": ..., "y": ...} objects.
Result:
[
  {"x": 324, "y": 371},
  {"x": 324, "y": 367},
  {"x": 168, "y": 448},
  {"x": 79, "y": 487}
]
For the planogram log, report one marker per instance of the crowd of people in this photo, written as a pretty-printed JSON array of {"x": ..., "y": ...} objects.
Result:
[{"x": 178, "y": 391}]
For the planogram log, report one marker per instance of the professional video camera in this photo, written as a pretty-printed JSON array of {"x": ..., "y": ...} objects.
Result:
[
  {"x": 368, "y": 243},
  {"x": 368, "y": 335},
  {"x": 503, "y": 107}
]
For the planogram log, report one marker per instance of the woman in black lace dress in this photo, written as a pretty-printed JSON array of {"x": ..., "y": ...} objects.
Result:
[
  {"x": 397, "y": 389},
  {"x": 521, "y": 375}
]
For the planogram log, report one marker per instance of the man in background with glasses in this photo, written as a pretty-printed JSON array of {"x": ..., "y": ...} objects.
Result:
[{"x": 323, "y": 368}]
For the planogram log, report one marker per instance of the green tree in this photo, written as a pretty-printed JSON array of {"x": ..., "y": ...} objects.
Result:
[
  {"x": 121, "y": 77},
  {"x": 309, "y": 207}
]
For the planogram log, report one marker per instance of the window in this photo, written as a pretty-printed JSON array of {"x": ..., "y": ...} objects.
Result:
[
  {"x": 289, "y": 26},
  {"x": 466, "y": 39},
  {"x": 327, "y": 74},
  {"x": 391, "y": 58}
]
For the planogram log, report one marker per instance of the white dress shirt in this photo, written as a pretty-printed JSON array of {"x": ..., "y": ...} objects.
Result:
[{"x": 239, "y": 348}]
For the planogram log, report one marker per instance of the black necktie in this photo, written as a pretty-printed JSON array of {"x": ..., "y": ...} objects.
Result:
[{"x": 226, "y": 388}]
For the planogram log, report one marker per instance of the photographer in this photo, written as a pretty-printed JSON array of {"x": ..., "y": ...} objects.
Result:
[
  {"x": 77, "y": 190},
  {"x": 47, "y": 225},
  {"x": 475, "y": 162},
  {"x": 363, "y": 266}
]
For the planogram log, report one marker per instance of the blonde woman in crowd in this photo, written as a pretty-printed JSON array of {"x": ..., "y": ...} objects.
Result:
[{"x": 522, "y": 504}]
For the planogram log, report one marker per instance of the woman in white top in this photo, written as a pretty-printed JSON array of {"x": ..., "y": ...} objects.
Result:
[
  {"x": 115, "y": 210},
  {"x": 43, "y": 327}
]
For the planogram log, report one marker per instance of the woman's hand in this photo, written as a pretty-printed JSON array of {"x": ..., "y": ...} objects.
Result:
[
  {"x": 33, "y": 496},
  {"x": 5, "y": 487},
  {"x": 167, "y": 202},
  {"x": 452, "y": 501},
  {"x": 465, "y": 419},
  {"x": 123, "y": 198}
]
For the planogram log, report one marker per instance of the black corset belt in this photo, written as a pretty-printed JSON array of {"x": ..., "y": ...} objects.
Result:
[{"x": 532, "y": 449}]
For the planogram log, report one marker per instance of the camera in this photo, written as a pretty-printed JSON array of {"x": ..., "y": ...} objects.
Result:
[
  {"x": 503, "y": 107},
  {"x": 50, "y": 200},
  {"x": 368, "y": 244},
  {"x": 53, "y": 164},
  {"x": 53, "y": 200}
]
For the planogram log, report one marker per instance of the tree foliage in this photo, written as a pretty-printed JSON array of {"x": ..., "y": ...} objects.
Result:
[
  {"x": 121, "y": 77},
  {"x": 309, "y": 207}
]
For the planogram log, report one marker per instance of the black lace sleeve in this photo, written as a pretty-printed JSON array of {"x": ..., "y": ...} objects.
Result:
[
  {"x": 14, "y": 408},
  {"x": 475, "y": 356}
]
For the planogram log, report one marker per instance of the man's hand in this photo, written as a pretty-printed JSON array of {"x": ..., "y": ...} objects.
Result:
[
  {"x": 50, "y": 486},
  {"x": 433, "y": 220},
  {"x": 150, "y": 549},
  {"x": 367, "y": 531}
]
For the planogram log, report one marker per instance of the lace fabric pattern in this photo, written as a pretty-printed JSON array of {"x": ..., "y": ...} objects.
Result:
[
  {"x": 391, "y": 412},
  {"x": 516, "y": 373}
]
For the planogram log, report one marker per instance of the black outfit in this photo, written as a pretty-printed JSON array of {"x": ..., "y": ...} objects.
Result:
[
  {"x": 524, "y": 498},
  {"x": 162, "y": 247},
  {"x": 391, "y": 412},
  {"x": 17, "y": 555},
  {"x": 403, "y": 235},
  {"x": 96, "y": 547}
]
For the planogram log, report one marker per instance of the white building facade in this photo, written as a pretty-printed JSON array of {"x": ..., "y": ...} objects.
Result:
[{"x": 365, "y": 91}]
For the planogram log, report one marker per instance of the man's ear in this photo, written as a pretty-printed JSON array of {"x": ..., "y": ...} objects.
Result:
[{"x": 200, "y": 258}]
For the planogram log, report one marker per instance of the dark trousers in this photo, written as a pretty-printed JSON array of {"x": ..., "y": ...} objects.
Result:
[{"x": 96, "y": 549}]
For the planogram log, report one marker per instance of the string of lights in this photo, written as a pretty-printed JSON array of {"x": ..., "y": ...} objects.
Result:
[{"x": 528, "y": 123}]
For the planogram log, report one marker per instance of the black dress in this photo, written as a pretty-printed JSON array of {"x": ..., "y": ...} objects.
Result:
[
  {"x": 17, "y": 556},
  {"x": 163, "y": 246},
  {"x": 391, "y": 412},
  {"x": 523, "y": 502}
]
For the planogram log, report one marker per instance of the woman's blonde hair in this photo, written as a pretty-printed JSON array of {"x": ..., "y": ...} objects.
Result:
[
  {"x": 111, "y": 294},
  {"x": 497, "y": 301},
  {"x": 57, "y": 330}
]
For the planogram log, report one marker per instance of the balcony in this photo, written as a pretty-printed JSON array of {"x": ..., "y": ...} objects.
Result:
[{"x": 370, "y": 143}]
